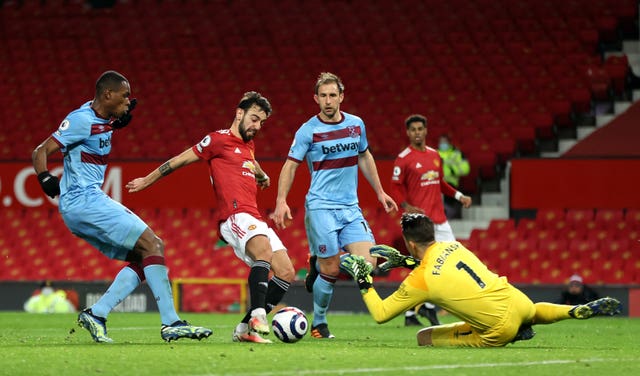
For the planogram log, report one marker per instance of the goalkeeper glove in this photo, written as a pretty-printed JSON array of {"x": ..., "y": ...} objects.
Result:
[
  {"x": 359, "y": 269},
  {"x": 124, "y": 120},
  {"x": 49, "y": 183},
  {"x": 393, "y": 258}
]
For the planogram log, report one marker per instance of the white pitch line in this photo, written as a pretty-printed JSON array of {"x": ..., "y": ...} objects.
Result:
[{"x": 420, "y": 368}]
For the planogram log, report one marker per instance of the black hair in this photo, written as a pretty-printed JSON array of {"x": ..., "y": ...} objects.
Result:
[
  {"x": 417, "y": 227},
  {"x": 415, "y": 117},
  {"x": 109, "y": 80},
  {"x": 251, "y": 98}
]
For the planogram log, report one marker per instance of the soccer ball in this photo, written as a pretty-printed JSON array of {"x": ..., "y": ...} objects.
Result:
[{"x": 290, "y": 324}]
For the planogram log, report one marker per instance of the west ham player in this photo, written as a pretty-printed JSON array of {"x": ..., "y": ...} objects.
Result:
[
  {"x": 84, "y": 138},
  {"x": 236, "y": 175},
  {"x": 335, "y": 145},
  {"x": 418, "y": 184},
  {"x": 493, "y": 312}
]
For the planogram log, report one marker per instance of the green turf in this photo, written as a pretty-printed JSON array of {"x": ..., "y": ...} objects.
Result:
[{"x": 32, "y": 344}]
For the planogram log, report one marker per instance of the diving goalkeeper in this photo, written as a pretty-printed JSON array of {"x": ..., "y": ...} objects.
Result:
[{"x": 493, "y": 312}]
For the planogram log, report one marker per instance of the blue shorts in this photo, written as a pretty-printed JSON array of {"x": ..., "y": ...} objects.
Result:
[
  {"x": 104, "y": 223},
  {"x": 329, "y": 230}
]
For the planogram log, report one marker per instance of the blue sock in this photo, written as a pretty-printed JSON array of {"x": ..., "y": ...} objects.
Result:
[
  {"x": 126, "y": 281},
  {"x": 158, "y": 281},
  {"x": 322, "y": 294}
]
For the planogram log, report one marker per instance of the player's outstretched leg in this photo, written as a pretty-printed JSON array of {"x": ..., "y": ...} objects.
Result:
[
  {"x": 182, "y": 329},
  {"x": 97, "y": 326},
  {"x": 242, "y": 333},
  {"x": 312, "y": 275},
  {"x": 258, "y": 321},
  {"x": 601, "y": 307}
]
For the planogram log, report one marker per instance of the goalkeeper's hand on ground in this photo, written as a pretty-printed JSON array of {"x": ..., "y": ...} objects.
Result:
[
  {"x": 124, "y": 120},
  {"x": 393, "y": 256},
  {"x": 359, "y": 269}
]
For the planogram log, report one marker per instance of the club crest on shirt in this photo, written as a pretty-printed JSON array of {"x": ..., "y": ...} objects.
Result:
[
  {"x": 249, "y": 166},
  {"x": 430, "y": 175},
  {"x": 322, "y": 248},
  {"x": 353, "y": 131}
]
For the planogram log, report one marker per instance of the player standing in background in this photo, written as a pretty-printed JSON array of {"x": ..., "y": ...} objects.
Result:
[
  {"x": 235, "y": 175},
  {"x": 335, "y": 145},
  {"x": 418, "y": 185},
  {"x": 494, "y": 312},
  {"x": 84, "y": 137}
]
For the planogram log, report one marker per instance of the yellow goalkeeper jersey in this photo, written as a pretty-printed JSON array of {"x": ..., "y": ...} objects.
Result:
[{"x": 453, "y": 278}]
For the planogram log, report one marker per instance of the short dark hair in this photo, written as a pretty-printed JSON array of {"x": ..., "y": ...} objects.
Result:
[
  {"x": 329, "y": 78},
  {"x": 415, "y": 117},
  {"x": 251, "y": 98},
  {"x": 109, "y": 80},
  {"x": 417, "y": 227}
]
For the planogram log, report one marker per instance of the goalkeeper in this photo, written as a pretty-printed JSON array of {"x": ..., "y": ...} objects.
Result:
[{"x": 493, "y": 312}]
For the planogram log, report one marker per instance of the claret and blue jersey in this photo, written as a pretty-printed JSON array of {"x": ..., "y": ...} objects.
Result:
[
  {"x": 331, "y": 151},
  {"x": 85, "y": 141}
]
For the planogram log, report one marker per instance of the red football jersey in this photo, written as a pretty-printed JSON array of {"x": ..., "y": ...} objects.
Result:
[
  {"x": 232, "y": 169},
  {"x": 418, "y": 179}
]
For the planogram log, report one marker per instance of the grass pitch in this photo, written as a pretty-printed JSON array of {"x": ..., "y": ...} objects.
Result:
[{"x": 32, "y": 344}]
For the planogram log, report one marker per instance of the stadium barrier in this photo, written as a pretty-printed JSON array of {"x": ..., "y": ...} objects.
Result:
[{"x": 200, "y": 300}]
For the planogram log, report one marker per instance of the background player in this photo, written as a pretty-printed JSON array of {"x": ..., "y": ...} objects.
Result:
[
  {"x": 418, "y": 185},
  {"x": 84, "y": 137},
  {"x": 335, "y": 145},
  {"x": 494, "y": 312},
  {"x": 234, "y": 173}
]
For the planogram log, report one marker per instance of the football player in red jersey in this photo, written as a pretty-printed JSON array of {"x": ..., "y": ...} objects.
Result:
[
  {"x": 418, "y": 185},
  {"x": 236, "y": 176}
]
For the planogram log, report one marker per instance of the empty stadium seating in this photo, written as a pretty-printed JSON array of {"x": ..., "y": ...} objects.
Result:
[
  {"x": 600, "y": 244},
  {"x": 497, "y": 75},
  {"x": 469, "y": 65}
]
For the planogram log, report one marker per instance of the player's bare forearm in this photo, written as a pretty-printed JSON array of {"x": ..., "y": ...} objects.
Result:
[
  {"x": 368, "y": 167},
  {"x": 185, "y": 158},
  {"x": 282, "y": 213},
  {"x": 40, "y": 154},
  {"x": 285, "y": 181},
  {"x": 263, "y": 180}
]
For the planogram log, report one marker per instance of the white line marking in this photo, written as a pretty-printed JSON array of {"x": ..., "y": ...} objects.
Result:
[{"x": 423, "y": 368}]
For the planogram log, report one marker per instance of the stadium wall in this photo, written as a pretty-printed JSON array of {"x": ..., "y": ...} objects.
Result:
[
  {"x": 574, "y": 183},
  {"x": 535, "y": 183},
  {"x": 189, "y": 187},
  {"x": 346, "y": 297}
]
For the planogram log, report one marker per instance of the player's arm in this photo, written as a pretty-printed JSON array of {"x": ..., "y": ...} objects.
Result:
[
  {"x": 262, "y": 178},
  {"x": 449, "y": 190},
  {"x": 282, "y": 212},
  {"x": 367, "y": 165},
  {"x": 399, "y": 188},
  {"x": 381, "y": 310},
  {"x": 186, "y": 157},
  {"x": 49, "y": 183}
]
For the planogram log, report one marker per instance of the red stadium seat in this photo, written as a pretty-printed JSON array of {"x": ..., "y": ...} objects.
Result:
[
  {"x": 580, "y": 218},
  {"x": 546, "y": 216},
  {"x": 608, "y": 218},
  {"x": 499, "y": 227}
]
